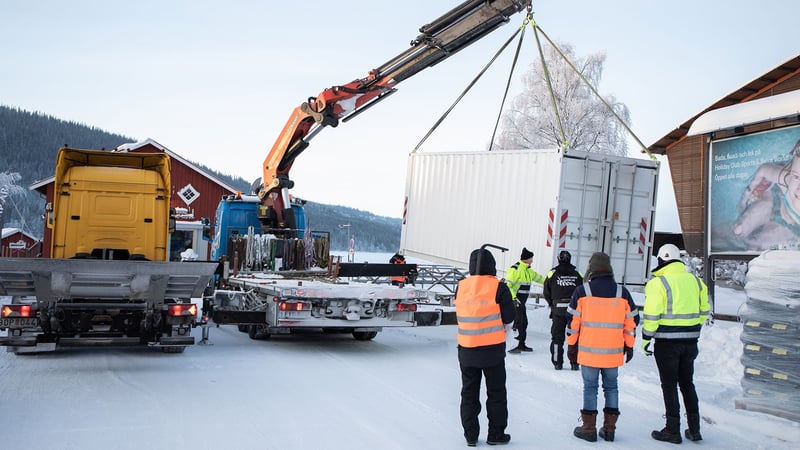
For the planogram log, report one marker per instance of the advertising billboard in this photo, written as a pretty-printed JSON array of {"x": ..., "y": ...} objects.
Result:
[{"x": 754, "y": 192}]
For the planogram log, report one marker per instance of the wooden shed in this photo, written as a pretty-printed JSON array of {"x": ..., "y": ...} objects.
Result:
[{"x": 16, "y": 243}]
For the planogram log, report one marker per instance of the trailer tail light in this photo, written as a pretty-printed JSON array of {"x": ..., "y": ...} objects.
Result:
[
  {"x": 293, "y": 306},
  {"x": 182, "y": 309},
  {"x": 17, "y": 311},
  {"x": 406, "y": 307}
]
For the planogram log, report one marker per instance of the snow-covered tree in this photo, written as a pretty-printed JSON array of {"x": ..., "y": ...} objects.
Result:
[
  {"x": 8, "y": 187},
  {"x": 588, "y": 125}
]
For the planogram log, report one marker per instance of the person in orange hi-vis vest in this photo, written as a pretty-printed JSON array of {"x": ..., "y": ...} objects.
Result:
[
  {"x": 484, "y": 311},
  {"x": 601, "y": 335},
  {"x": 399, "y": 280}
]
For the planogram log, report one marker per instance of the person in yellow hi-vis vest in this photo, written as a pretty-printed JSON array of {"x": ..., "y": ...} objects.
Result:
[
  {"x": 675, "y": 308},
  {"x": 519, "y": 278},
  {"x": 483, "y": 310}
]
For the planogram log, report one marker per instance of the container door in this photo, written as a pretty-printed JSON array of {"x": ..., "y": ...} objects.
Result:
[
  {"x": 579, "y": 219},
  {"x": 630, "y": 214},
  {"x": 607, "y": 205}
]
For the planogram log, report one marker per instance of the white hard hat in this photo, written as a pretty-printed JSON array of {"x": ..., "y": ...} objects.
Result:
[{"x": 669, "y": 252}]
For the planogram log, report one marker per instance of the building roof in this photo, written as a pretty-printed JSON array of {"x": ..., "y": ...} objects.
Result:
[
  {"x": 7, "y": 232},
  {"x": 781, "y": 106},
  {"x": 745, "y": 93}
]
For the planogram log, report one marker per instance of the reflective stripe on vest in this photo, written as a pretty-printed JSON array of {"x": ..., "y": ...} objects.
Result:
[{"x": 477, "y": 312}]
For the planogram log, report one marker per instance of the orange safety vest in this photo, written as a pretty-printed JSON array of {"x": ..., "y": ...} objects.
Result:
[
  {"x": 400, "y": 278},
  {"x": 602, "y": 327},
  {"x": 477, "y": 312}
]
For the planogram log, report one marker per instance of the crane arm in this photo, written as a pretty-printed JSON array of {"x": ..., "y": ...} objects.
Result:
[{"x": 440, "y": 39}]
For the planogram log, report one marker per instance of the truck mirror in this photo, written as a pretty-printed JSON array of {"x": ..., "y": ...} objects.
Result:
[{"x": 48, "y": 208}]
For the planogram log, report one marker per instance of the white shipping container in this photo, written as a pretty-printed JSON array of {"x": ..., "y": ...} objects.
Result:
[{"x": 540, "y": 199}]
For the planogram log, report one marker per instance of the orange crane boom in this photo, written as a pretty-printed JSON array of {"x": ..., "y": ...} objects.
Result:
[{"x": 440, "y": 39}]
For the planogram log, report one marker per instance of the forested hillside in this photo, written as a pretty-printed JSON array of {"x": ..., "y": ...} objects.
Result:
[{"x": 29, "y": 143}]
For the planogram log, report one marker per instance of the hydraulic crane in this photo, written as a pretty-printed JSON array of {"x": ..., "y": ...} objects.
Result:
[{"x": 440, "y": 39}]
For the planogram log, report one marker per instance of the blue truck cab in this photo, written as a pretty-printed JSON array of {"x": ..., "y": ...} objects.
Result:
[{"x": 236, "y": 213}]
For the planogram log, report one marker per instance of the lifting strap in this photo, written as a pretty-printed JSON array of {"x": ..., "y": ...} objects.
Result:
[
  {"x": 564, "y": 143},
  {"x": 475, "y": 80},
  {"x": 536, "y": 30},
  {"x": 594, "y": 91},
  {"x": 508, "y": 82}
]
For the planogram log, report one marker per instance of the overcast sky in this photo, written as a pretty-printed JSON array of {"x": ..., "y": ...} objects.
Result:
[{"x": 216, "y": 81}]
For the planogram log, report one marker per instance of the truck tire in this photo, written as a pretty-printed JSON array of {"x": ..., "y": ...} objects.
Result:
[
  {"x": 243, "y": 328},
  {"x": 173, "y": 349},
  {"x": 258, "y": 332},
  {"x": 364, "y": 335}
]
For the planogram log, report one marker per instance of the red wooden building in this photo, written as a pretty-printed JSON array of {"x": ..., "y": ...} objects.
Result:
[
  {"x": 16, "y": 243},
  {"x": 195, "y": 195}
]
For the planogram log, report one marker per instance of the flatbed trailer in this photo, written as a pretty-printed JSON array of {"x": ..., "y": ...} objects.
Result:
[{"x": 264, "y": 304}]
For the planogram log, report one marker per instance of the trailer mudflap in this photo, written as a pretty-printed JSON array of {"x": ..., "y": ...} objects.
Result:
[
  {"x": 449, "y": 318},
  {"x": 428, "y": 318}
]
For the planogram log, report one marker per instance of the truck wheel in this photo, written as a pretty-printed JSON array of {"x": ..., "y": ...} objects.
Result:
[
  {"x": 364, "y": 335},
  {"x": 243, "y": 328},
  {"x": 173, "y": 349},
  {"x": 257, "y": 332}
]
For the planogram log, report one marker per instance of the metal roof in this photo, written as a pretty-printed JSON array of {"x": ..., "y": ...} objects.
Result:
[{"x": 743, "y": 94}]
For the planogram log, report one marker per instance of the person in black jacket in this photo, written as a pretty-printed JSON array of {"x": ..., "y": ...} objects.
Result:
[
  {"x": 482, "y": 326},
  {"x": 558, "y": 287}
]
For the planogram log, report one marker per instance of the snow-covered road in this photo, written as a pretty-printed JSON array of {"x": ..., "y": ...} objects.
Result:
[{"x": 315, "y": 391}]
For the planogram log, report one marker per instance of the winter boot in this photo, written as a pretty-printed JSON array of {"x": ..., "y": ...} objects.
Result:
[
  {"x": 500, "y": 439},
  {"x": 516, "y": 350},
  {"x": 670, "y": 433},
  {"x": 574, "y": 366},
  {"x": 524, "y": 347},
  {"x": 610, "y": 416},
  {"x": 588, "y": 431},
  {"x": 693, "y": 432},
  {"x": 557, "y": 355}
]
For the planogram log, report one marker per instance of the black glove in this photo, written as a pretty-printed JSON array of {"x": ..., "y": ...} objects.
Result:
[
  {"x": 628, "y": 354},
  {"x": 572, "y": 353}
]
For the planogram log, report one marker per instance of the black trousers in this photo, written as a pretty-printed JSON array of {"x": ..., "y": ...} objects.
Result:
[
  {"x": 558, "y": 330},
  {"x": 496, "y": 400},
  {"x": 521, "y": 321},
  {"x": 675, "y": 361}
]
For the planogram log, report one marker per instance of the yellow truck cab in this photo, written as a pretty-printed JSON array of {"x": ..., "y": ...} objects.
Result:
[{"x": 110, "y": 205}]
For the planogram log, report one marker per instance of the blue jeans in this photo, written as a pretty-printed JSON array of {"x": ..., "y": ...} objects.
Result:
[{"x": 610, "y": 391}]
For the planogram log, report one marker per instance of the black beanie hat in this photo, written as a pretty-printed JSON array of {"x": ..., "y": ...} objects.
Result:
[
  {"x": 598, "y": 263},
  {"x": 526, "y": 254}
]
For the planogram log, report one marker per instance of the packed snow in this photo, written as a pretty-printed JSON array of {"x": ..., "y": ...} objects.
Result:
[{"x": 329, "y": 391}]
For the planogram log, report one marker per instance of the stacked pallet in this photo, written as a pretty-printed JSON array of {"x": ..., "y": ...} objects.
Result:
[{"x": 771, "y": 336}]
